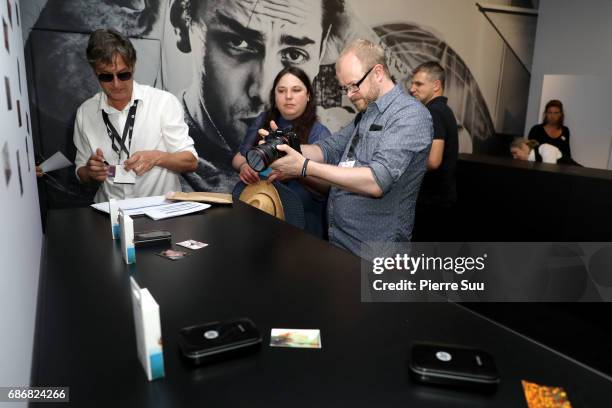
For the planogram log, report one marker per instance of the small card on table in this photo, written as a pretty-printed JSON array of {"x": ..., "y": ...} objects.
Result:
[
  {"x": 541, "y": 396},
  {"x": 192, "y": 244},
  {"x": 298, "y": 338},
  {"x": 173, "y": 254}
]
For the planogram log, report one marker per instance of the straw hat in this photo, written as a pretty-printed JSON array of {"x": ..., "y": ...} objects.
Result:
[{"x": 264, "y": 196}]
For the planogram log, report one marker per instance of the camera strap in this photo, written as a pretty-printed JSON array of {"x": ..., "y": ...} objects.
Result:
[
  {"x": 351, "y": 152},
  {"x": 128, "y": 131}
]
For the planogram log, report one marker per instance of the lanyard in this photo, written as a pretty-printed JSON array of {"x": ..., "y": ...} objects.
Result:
[
  {"x": 351, "y": 152},
  {"x": 127, "y": 131}
]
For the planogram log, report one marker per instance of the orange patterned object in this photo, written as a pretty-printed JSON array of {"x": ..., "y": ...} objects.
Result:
[{"x": 540, "y": 396}]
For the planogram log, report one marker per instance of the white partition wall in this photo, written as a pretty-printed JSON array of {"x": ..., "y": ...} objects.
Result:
[
  {"x": 573, "y": 41},
  {"x": 21, "y": 237}
]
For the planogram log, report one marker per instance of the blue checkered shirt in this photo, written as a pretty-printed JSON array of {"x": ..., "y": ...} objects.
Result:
[{"x": 394, "y": 138}]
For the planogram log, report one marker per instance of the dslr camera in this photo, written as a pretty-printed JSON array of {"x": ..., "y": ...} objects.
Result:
[{"x": 261, "y": 156}]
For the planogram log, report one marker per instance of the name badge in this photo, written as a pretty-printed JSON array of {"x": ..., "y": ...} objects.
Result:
[
  {"x": 124, "y": 177},
  {"x": 348, "y": 164}
]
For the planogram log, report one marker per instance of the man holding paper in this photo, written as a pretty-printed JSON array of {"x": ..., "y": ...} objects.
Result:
[{"x": 130, "y": 138}]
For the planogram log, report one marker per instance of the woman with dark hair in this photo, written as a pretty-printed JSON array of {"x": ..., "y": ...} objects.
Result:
[
  {"x": 552, "y": 131},
  {"x": 291, "y": 104}
]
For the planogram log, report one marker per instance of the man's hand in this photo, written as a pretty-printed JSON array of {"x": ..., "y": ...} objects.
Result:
[
  {"x": 275, "y": 175},
  {"x": 96, "y": 169},
  {"x": 39, "y": 172},
  {"x": 143, "y": 161},
  {"x": 247, "y": 174},
  {"x": 289, "y": 166}
]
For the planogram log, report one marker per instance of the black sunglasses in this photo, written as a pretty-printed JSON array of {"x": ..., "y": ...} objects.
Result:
[{"x": 122, "y": 76}]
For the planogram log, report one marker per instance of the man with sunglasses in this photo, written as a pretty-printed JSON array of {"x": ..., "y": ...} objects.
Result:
[
  {"x": 376, "y": 163},
  {"x": 130, "y": 138}
]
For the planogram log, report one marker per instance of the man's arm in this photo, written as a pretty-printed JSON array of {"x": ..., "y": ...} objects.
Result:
[
  {"x": 95, "y": 169},
  {"x": 90, "y": 167},
  {"x": 434, "y": 160},
  {"x": 358, "y": 180},
  {"x": 407, "y": 133},
  {"x": 143, "y": 161},
  {"x": 312, "y": 152},
  {"x": 327, "y": 150},
  {"x": 181, "y": 155},
  {"x": 435, "y": 154}
]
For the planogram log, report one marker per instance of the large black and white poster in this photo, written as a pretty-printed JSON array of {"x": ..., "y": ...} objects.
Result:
[{"x": 219, "y": 58}]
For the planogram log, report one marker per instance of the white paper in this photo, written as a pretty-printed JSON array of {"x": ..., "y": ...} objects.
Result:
[
  {"x": 156, "y": 207},
  {"x": 134, "y": 206},
  {"x": 56, "y": 162},
  {"x": 175, "y": 209}
]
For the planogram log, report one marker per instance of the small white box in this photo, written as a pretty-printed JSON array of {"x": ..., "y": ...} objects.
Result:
[
  {"x": 113, "y": 210},
  {"x": 148, "y": 331},
  {"x": 127, "y": 238}
]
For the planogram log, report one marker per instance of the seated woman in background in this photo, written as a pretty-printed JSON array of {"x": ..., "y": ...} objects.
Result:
[
  {"x": 552, "y": 131},
  {"x": 291, "y": 104}
]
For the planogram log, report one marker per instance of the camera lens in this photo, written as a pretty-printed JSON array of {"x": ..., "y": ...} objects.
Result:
[
  {"x": 261, "y": 156},
  {"x": 256, "y": 159}
]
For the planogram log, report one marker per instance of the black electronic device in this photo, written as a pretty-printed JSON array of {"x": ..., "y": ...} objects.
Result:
[
  {"x": 211, "y": 342},
  {"x": 152, "y": 237},
  {"x": 261, "y": 156},
  {"x": 453, "y": 366}
]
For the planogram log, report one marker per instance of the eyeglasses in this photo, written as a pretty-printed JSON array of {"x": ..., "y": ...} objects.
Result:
[
  {"x": 355, "y": 87},
  {"x": 122, "y": 76}
]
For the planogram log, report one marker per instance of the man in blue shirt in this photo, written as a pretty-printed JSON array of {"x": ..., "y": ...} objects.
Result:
[{"x": 375, "y": 164}]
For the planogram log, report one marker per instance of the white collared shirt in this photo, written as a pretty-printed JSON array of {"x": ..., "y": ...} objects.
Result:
[{"x": 159, "y": 125}]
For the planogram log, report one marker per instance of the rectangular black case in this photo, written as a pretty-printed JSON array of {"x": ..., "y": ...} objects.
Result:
[
  {"x": 215, "y": 341},
  {"x": 453, "y": 366},
  {"x": 152, "y": 237}
]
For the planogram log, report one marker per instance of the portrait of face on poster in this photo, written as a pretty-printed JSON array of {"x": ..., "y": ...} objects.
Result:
[{"x": 219, "y": 58}]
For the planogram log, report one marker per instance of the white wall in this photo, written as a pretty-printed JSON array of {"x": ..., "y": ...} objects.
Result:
[
  {"x": 21, "y": 237},
  {"x": 586, "y": 104},
  {"x": 573, "y": 38}
]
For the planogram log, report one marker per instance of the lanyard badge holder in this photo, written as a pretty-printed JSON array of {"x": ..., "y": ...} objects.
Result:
[{"x": 118, "y": 172}]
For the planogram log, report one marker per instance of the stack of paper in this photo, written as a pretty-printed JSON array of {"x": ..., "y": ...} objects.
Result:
[
  {"x": 175, "y": 209},
  {"x": 156, "y": 207}
]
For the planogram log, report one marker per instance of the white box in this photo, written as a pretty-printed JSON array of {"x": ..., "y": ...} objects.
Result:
[
  {"x": 148, "y": 331},
  {"x": 127, "y": 238},
  {"x": 113, "y": 210}
]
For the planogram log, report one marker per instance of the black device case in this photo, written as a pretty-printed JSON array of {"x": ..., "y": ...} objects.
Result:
[
  {"x": 453, "y": 366},
  {"x": 215, "y": 341},
  {"x": 152, "y": 237}
]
